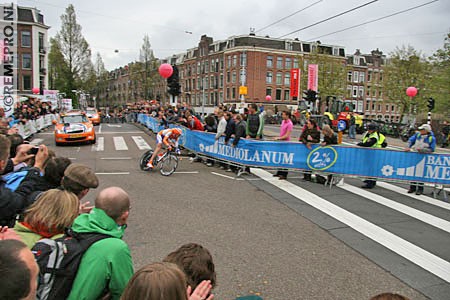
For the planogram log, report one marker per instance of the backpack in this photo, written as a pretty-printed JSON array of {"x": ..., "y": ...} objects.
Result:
[{"x": 59, "y": 260}]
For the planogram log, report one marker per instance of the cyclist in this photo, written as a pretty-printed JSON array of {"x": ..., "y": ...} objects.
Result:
[{"x": 167, "y": 136}]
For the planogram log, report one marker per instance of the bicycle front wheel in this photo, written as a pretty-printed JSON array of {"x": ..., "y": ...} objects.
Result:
[{"x": 168, "y": 165}]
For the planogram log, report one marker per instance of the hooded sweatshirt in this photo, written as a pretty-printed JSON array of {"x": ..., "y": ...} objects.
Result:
[{"x": 106, "y": 266}]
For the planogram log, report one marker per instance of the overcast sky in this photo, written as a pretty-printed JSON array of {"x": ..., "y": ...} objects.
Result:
[{"x": 108, "y": 25}]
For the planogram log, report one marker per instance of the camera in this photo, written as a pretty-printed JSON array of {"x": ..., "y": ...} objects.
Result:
[{"x": 33, "y": 150}]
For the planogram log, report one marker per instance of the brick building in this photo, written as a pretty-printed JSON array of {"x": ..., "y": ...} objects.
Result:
[
  {"x": 365, "y": 86},
  {"x": 32, "y": 50},
  {"x": 214, "y": 71}
]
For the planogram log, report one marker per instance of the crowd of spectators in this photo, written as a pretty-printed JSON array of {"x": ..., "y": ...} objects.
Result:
[{"x": 24, "y": 111}]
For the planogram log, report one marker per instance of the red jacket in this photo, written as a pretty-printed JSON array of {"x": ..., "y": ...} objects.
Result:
[{"x": 197, "y": 124}]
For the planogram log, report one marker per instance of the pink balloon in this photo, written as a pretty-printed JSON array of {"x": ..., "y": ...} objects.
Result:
[
  {"x": 165, "y": 70},
  {"x": 268, "y": 98},
  {"x": 35, "y": 90},
  {"x": 411, "y": 91}
]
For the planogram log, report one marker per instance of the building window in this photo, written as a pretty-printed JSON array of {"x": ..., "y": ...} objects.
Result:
[
  {"x": 221, "y": 80},
  {"x": 233, "y": 93},
  {"x": 361, "y": 76},
  {"x": 198, "y": 68},
  {"x": 369, "y": 76},
  {"x": 278, "y": 94},
  {"x": 368, "y": 91},
  {"x": 233, "y": 77},
  {"x": 295, "y": 63},
  {"x": 229, "y": 61},
  {"x": 387, "y": 108},
  {"x": 355, "y": 92},
  {"x": 361, "y": 92},
  {"x": 228, "y": 76},
  {"x": 41, "y": 41},
  {"x": 221, "y": 63},
  {"x": 356, "y": 60},
  {"x": 349, "y": 91},
  {"x": 206, "y": 67},
  {"x": 279, "y": 78},
  {"x": 243, "y": 59},
  {"x": 393, "y": 108},
  {"x": 279, "y": 62},
  {"x": 212, "y": 66},
  {"x": 379, "y": 107},
  {"x": 286, "y": 95},
  {"x": 26, "y": 80},
  {"x": 234, "y": 60},
  {"x": 212, "y": 82},
  {"x": 287, "y": 78},
  {"x": 26, "y": 39},
  {"x": 349, "y": 76},
  {"x": 355, "y": 76},
  {"x": 381, "y": 77},
  {"x": 269, "y": 92},
  {"x": 288, "y": 63},
  {"x": 26, "y": 61},
  {"x": 269, "y": 77},
  {"x": 269, "y": 62},
  {"x": 368, "y": 105}
]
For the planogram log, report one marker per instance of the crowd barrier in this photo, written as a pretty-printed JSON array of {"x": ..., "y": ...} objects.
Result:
[
  {"x": 382, "y": 164},
  {"x": 32, "y": 126}
]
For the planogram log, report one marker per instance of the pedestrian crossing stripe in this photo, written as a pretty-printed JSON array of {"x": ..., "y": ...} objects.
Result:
[
  {"x": 119, "y": 143},
  {"x": 419, "y": 256},
  {"x": 141, "y": 143}
]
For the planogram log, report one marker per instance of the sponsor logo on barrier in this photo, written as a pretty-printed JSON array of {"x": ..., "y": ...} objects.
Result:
[
  {"x": 322, "y": 158},
  {"x": 431, "y": 166},
  {"x": 259, "y": 156}
]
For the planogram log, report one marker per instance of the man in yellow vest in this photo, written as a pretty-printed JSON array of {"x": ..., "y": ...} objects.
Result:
[{"x": 370, "y": 139}]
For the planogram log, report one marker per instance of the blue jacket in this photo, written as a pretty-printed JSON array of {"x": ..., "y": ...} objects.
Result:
[{"x": 430, "y": 140}]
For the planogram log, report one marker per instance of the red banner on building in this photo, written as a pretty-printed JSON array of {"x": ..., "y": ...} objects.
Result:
[
  {"x": 295, "y": 83},
  {"x": 313, "y": 77}
]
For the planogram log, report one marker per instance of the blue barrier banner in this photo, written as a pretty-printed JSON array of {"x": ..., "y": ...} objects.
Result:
[{"x": 353, "y": 161}]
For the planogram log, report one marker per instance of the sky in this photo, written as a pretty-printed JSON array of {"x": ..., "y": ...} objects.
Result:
[{"x": 116, "y": 29}]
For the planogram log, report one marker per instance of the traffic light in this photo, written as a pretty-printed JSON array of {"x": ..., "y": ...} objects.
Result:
[
  {"x": 311, "y": 95},
  {"x": 430, "y": 104},
  {"x": 173, "y": 83}
]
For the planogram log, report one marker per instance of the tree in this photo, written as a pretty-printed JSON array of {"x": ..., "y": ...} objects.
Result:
[
  {"x": 101, "y": 77},
  {"x": 143, "y": 73},
  {"x": 331, "y": 73},
  {"x": 58, "y": 70},
  {"x": 440, "y": 64},
  {"x": 407, "y": 67},
  {"x": 75, "y": 50}
]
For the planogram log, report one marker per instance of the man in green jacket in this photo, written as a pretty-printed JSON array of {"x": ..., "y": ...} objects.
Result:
[{"x": 106, "y": 266}]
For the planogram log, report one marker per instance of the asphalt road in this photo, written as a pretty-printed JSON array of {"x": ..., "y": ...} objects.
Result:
[{"x": 265, "y": 239}]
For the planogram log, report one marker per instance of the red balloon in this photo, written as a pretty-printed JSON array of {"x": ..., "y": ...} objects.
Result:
[
  {"x": 411, "y": 91},
  {"x": 268, "y": 98},
  {"x": 165, "y": 70},
  {"x": 35, "y": 90}
]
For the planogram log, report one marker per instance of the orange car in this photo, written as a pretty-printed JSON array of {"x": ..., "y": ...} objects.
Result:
[
  {"x": 93, "y": 115},
  {"x": 73, "y": 127}
]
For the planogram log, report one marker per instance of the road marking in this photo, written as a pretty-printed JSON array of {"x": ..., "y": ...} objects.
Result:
[
  {"x": 100, "y": 145},
  {"x": 411, "y": 252},
  {"x": 100, "y": 128},
  {"x": 116, "y": 126},
  {"x": 36, "y": 141},
  {"x": 119, "y": 143},
  {"x": 114, "y": 158},
  {"x": 423, "y": 198},
  {"x": 72, "y": 158},
  {"x": 141, "y": 143},
  {"x": 109, "y": 132},
  {"x": 186, "y": 172},
  {"x": 412, "y": 212},
  {"x": 112, "y": 173},
  {"x": 221, "y": 175}
]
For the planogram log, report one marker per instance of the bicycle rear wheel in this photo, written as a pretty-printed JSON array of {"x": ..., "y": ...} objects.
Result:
[
  {"x": 168, "y": 165},
  {"x": 145, "y": 158}
]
